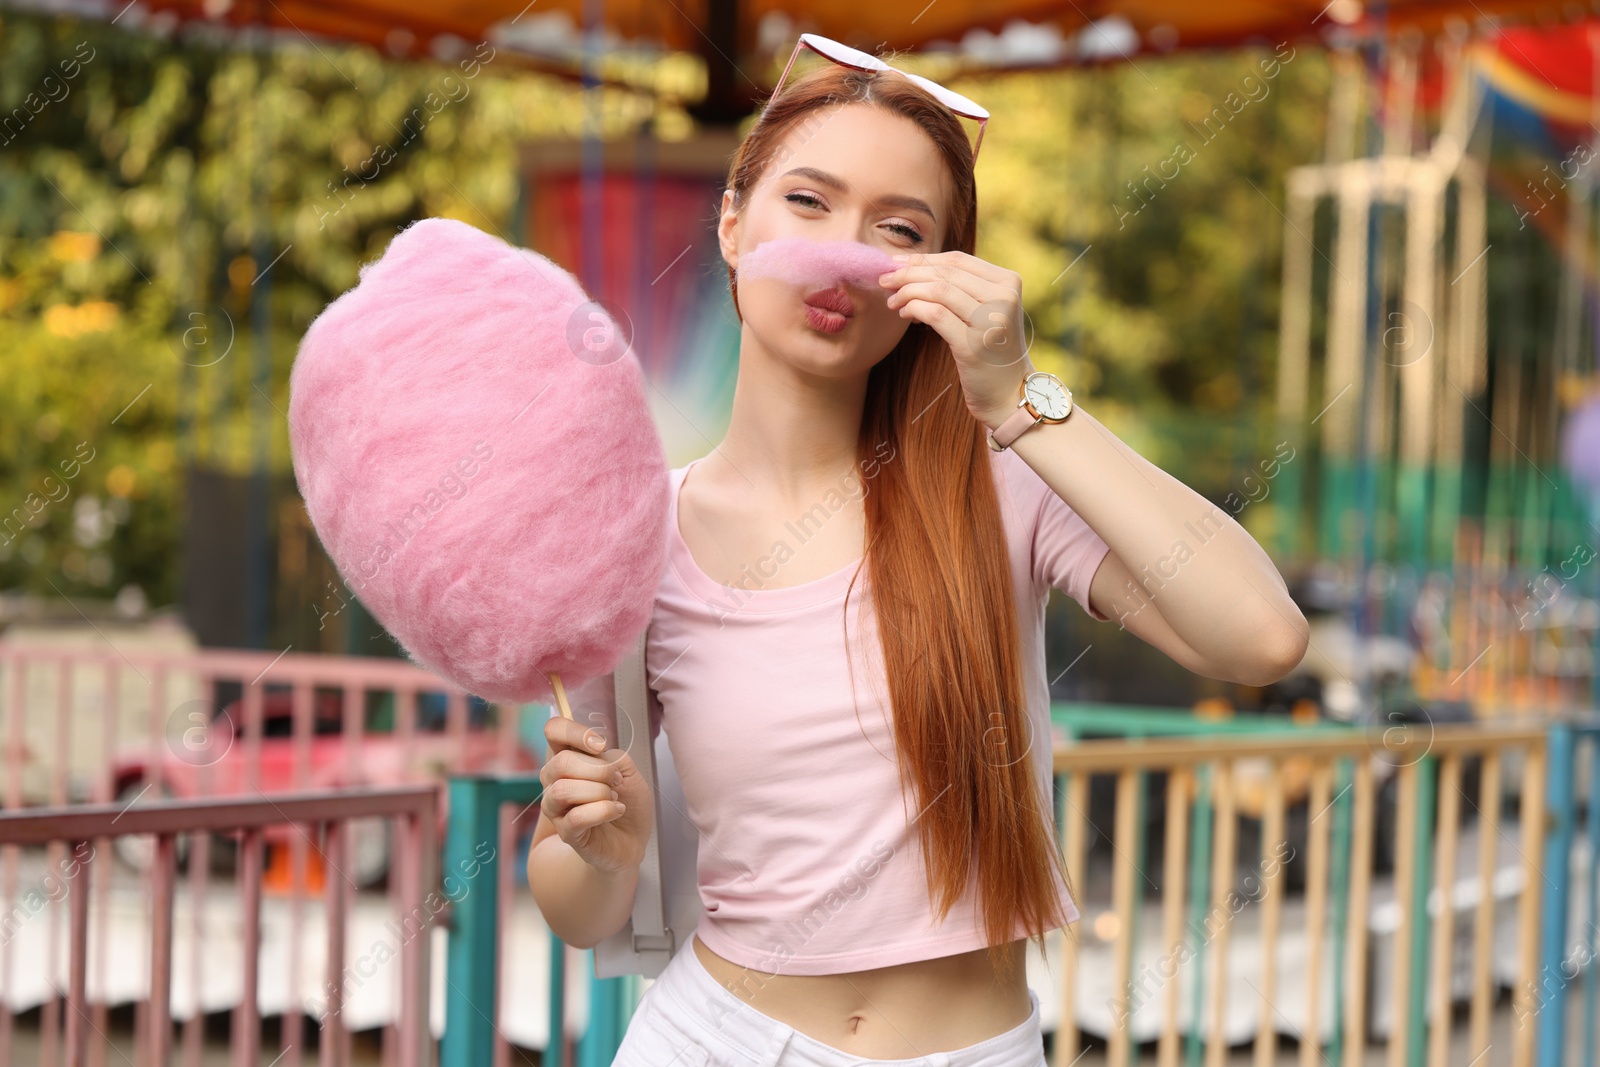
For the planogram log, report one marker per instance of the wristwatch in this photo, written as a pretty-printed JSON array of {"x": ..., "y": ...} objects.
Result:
[{"x": 1044, "y": 399}]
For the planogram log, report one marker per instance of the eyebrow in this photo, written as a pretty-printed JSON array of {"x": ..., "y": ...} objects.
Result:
[{"x": 892, "y": 200}]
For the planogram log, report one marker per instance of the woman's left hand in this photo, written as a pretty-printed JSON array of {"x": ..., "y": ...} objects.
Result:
[{"x": 976, "y": 307}]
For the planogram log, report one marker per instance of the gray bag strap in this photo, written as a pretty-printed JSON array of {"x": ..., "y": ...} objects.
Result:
[{"x": 652, "y": 937}]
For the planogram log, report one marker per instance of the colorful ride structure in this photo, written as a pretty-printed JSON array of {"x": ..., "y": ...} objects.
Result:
[{"x": 1434, "y": 356}]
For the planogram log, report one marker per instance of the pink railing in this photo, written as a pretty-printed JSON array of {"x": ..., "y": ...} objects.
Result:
[
  {"x": 55, "y": 688},
  {"x": 328, "y": 813},
  {"x": 126, "y": 728}
]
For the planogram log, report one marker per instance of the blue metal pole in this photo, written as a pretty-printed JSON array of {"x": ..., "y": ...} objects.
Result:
[
  {"x": 1415, "y": 1027},
  {"x": 1591, "y": 972},
  {"x": 470, "y": 886},
  {"x": 555, "y": 1052},
  {"x": 1339, "y": 877},
  {"x": 1199, "y": 898},
  {"x": 471, "y": 882},
  {"x": 1551, "y": 998},
  {"x": 603, "y": 1036}
]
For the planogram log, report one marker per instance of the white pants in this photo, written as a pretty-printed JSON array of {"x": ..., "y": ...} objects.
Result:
[{"x": 687, "y": 1019}]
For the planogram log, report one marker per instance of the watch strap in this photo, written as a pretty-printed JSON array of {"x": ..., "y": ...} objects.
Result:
[{"x": 1021, "y": 420}]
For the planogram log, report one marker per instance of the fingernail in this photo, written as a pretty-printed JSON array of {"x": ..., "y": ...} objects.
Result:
[
  {"x": 613, "y": 794},
  {"x": 902, "y": 258},
  {"x": 597, "y": 743},
  {"x": 621, "y": 808}
]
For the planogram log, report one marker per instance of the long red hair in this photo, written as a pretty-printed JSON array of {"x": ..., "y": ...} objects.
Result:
[{"x": 940, "y": 577}]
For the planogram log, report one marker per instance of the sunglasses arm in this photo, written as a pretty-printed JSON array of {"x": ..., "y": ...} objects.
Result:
[{"x": 786, "y": 68}]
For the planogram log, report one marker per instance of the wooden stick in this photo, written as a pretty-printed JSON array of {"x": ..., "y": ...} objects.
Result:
[{"x": 561, "y": 695}]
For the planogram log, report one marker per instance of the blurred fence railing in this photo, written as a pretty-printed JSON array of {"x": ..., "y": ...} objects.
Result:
[
  {"x": 1396, "y": 885},
  {"x": 105, "y": 726},
  {"x": 1192, "y": 997},
  {"x": 1386, "y": 880},
  {"x": 84, "y": 723},
  {"x": 74, "y": 1033}
]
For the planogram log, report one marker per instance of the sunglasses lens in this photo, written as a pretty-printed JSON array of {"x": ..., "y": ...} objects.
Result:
[
  {"x": 843, "y": 53},
  {"x": 952, "y": 100}
]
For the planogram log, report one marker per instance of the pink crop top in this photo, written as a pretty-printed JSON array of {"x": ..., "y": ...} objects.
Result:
[{"x": 808, "y": 862}]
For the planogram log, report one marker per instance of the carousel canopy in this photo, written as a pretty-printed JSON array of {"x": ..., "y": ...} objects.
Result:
[{"x": 734, "y": 37}]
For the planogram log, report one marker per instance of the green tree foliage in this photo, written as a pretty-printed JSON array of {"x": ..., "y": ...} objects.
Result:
[
  {"x": 1140, "y": 202},
  {"x": 151, "y": 188}
]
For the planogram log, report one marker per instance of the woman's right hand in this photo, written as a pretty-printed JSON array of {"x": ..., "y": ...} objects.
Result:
[{"x": 595, "y": 797}]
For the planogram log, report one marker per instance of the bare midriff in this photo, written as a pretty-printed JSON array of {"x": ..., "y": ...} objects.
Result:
[{"x": 896, "y": 1012}]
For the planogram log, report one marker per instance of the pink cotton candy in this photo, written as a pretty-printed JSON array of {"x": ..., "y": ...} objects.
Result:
[
  {"x": 483, "y": 471},
  {"x": 806, "y": 262}
]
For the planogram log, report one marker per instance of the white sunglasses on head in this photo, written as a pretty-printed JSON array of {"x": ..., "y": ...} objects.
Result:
[{"x": 846, "y": 56}]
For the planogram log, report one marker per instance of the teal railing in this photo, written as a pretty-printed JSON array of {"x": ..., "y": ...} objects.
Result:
[{"x": 472, "y": 961}]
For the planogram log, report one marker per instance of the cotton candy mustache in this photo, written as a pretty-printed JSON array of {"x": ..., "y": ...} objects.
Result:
[{"x": 801, "y": 261}]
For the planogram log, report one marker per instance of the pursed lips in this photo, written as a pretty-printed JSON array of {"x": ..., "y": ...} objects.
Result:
[{"x": 834, "y": 299}]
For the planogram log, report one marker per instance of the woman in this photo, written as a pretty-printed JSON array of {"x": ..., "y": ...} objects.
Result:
[{"x": 847, "y": 645}]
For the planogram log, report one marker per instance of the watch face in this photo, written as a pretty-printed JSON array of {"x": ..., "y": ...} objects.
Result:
[{"x": 1048, "y": 396}]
